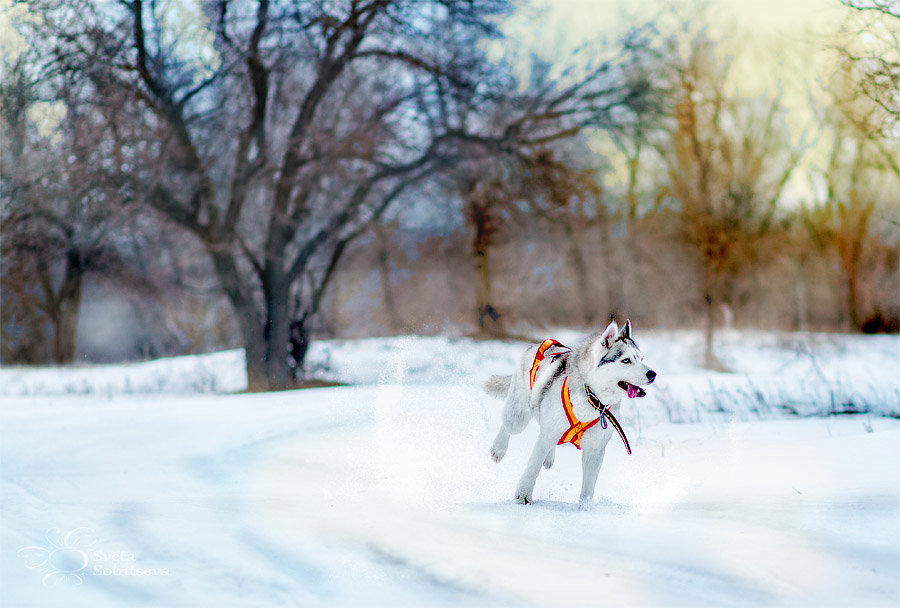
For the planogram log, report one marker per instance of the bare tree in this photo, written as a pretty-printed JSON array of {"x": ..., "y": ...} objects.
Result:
[
  {"x": 845, "y": 227},
  {"x": 312, "y": 119},
  {"x": 569, "y": 199},
  {"x": 57, "y": 225},
  {"x": 859, "y": 167},
  {"x": 873, "y": 54},
  {"x": 534, "y": 168},
  {"x": 383, "y": 232},
  {"x": 486, "y": 204},
  {"x": 728, "y": 161}
]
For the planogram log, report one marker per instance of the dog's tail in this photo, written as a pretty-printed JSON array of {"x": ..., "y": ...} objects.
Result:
[{"x": 497, "y": 386}]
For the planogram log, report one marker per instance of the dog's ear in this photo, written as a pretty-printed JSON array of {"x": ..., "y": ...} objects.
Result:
[
  {"x": 604, "y": 342},
  {"x": 609, "y": 335},
  {"x": 625, "y": 332}
]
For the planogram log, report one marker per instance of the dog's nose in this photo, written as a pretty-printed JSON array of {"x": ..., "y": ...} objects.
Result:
[{"x": 651, "y": 376}]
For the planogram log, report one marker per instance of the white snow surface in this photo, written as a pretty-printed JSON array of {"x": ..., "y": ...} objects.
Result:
[
  {"x": 771, "y": 373},
  {"x": 383, "y": 493}
]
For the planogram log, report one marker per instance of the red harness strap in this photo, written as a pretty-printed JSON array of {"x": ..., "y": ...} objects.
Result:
[
  {"x": 576, "y": 427},
  {"x": 540, "y": 355}
]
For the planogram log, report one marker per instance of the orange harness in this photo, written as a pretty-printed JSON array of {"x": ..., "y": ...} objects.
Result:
[
  {"x": 540, "y": 355},
  {"x": 576, "y": 427}
]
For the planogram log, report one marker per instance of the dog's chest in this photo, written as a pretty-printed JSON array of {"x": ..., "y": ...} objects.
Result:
[
  {"x": 596, "y": 437},
  {"x": 566, "y": 425}
]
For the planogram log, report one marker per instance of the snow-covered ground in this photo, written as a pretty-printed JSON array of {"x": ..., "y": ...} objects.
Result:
[
  {"x": 383, "y": 493},
  {"x": 771, "y": 373}
]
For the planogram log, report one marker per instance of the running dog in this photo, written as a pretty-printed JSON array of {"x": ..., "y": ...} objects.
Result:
[{"x": 574, "y": 394}]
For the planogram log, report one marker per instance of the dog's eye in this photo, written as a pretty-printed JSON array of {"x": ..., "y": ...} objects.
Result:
[{"x": 626, "y": 361}]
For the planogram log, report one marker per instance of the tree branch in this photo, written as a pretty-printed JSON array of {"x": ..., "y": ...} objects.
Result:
[
  {"x": 161, "y": 100},
  {"x": 255, "y": 130},
  {"x": 330, "y": 67},
  {"x": 163, "y": 200},
  {"x": 885, "y": 8},
  {"x": 341, "y": 244},
  {"x": 340, "y": 220}
]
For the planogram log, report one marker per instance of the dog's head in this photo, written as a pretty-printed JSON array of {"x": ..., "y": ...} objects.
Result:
[{"x": 616, "y": 361}]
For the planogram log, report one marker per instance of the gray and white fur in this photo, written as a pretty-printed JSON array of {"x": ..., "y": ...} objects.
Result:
[{"x": 608, "y": 362}]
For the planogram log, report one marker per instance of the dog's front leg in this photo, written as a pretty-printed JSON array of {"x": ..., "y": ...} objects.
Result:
[
  {"x": 529, "y": 477},
  {"x": 591, "y": 461}
]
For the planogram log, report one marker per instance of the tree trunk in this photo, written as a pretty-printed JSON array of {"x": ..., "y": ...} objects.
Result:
[
  {"x": 278, "y": 367},
  {"x": 65, "y": 308},
  {"x": 709, "y": 358},
  {"x": 853, "y": 307},
  {"x": 631, "y": 196},
  {"x": 299, "y": 346},
  {"x": 579, "y": 267},
  {"x": 267, "y": 362},
  {"x": 66, "y": 332},
  {"x": 488, "y": 317},
  {"x": 255, "y": 356},
  {"x": 710, "y": 289},
  {"x": 275, "y": 345},
  {"x": 802, "y": 320},
  {"x": 613, "y": 277},
  {"x": 395, "y": 324},
  {"x": 266, "y": 370},
  {"x": 277, "y": 332}
]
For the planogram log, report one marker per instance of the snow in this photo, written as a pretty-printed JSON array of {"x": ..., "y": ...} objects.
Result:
[
  {"x": 383, "y": 493},
  {"x": 772, "y": 373},
  {"x": 221, "y": 372}
]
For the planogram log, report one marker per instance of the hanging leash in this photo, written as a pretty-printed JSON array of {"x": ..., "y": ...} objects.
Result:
[{"x": 605, "y": 413}]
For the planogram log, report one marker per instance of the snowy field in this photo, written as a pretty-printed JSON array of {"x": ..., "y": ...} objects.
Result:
[{"x": 149, "y": 485}]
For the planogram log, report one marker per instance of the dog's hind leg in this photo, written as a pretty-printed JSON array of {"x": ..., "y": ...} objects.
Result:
[
  {"x": 529, "y": 477},
  {"x": 591, "y": 461},
  {"x": 516, "y": 415}
]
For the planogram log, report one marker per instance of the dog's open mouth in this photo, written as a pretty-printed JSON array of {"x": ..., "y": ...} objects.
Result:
[{"x": 632, "y": 390}]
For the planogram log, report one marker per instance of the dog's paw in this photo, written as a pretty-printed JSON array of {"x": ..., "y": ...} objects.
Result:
[
  {"x": 549, "y": 460},
  {"x": 498, "y": 450},
  {"x": 586, "y": 504},
  {"x": 497, "y": 455},
  {"x": 523, "y": 499}
]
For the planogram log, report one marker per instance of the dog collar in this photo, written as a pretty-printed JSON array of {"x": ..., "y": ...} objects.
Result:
[{"x": 595, "y": 402}]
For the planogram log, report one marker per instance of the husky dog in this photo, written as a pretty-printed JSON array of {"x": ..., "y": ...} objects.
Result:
[{"x": 568, "y": 392}]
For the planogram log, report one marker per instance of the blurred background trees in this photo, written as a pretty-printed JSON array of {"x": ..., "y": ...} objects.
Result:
[
  {"x": 259, "y": 173},
  {"x": 871, "y": 54},
  {"x": 728, "y": 159}
]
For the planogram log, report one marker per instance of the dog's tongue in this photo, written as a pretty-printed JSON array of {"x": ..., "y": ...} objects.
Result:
[{"x": 632, "y": 391}]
